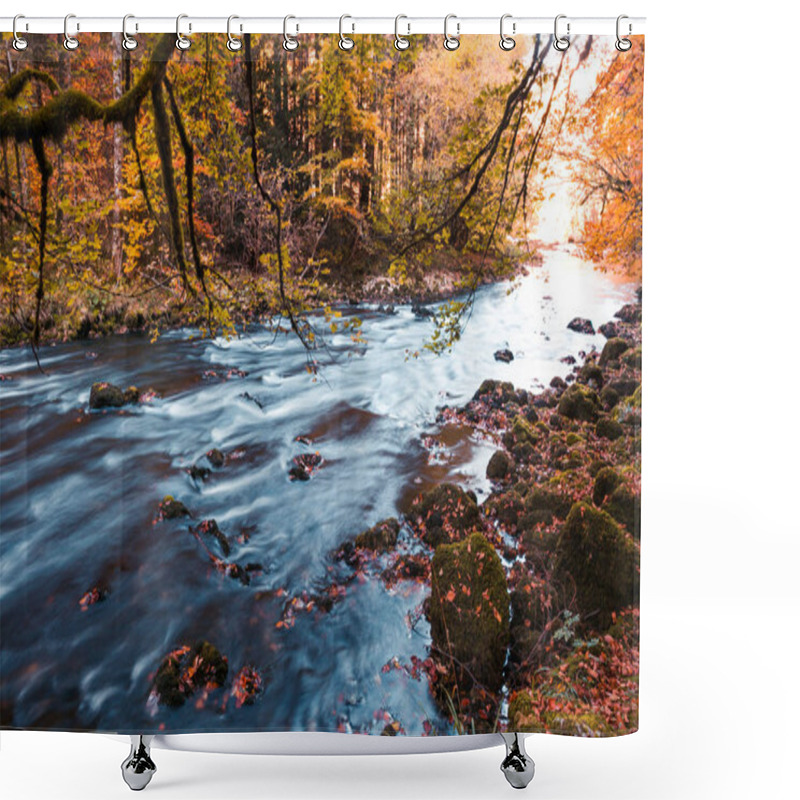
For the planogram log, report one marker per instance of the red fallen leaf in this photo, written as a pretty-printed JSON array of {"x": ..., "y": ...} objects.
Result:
[{"x": 450, "y": 596}]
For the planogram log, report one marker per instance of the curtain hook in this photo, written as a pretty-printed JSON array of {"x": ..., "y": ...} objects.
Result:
[
  {"x": 451, "y": 42},
  {"x": 128, "y": 42},
  {"x": 400, "y": 42},
  {"x": 623, "y": 45},
  {"x": 506, "y": 42},
  {"x": 70, "y": 42},
  {"x": 18, "y": 42},
  {"x": 560, "y": 43},
  {"x": 234, "y": 44},
  {"x": 290, "y": 43},
  {"x": 345, "y": 42},
  {"x": 181, "y": 42}
]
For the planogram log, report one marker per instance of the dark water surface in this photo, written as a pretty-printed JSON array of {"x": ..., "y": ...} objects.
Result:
[{"x": 79, "y": 492}]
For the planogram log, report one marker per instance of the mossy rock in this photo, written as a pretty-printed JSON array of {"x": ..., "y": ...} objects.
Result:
[
  {"x": 506, "y": 508},
  {"x": 106, "y": 395},
  {"x": 635, "y": 400},
  {"x": 468, "y": 612},
  {"x": 381, "y": 537},
  {"x": 187, "y": 670},
  {"x": 609, "y": 397},
  {"x": 608, "y": 428},
  {"x": 524, "y": 453},
  {"x": 606, "y": 480},
  {"x": 613, "y": 349},
  {"x": 524, "y": 432},
  {"x": 624, "y": 386},
  {"x": 586, "y": 724},
  {"x": 499, "y": 466},
  {"x": 528, "y": 619},
  {"x": 446, "y": 513},
  {"x": 574, "y": 438},
  {"x": 539, "y": 499},
  {"x": 131, "y": 395},
  {"x": 580, "y": 403},
  {"x": 171, "y": 508},
  {"x": 633, "y": 359},
  {"x": 591, "y": 375},
  {"x": 557, "y": 422},
  {"x": 495, "y": 393},
  {"x": 602, "y": 560},
  {"x": 596, "y": 465},
  {"x": 625, "y": 507}
]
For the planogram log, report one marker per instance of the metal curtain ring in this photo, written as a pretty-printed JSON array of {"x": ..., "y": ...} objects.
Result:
[
  {"x": 345, "y": 42},
  {"x": 181, "y": 42},
  {"x": 451, "y": 42},
  {"x": 128, "y": 42},
  {"x": 506, "y": 42},
  {"x": 234, "y": 44},
  {"x": 290, "y": 43},
  {"x": 400, "y": 42},
  {"x": 18, "y": 42},
  {"x": 560, "y": 43},
  {"x": 70, "y": 42},
  {"x": 623, "y": 45}
]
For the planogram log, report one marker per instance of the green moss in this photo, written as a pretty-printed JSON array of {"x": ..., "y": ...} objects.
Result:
[
  {"x": 603, "y": 562},
  {"x": 608, "y": 428},
  {"x": 591, "y": 375},
  {"x": 579, "y": 403},
  {"x": 524, "y": 432},
  {"x": 499, "y": 466},
  {"x": 609, "y": 397},
  {"x": 574, "y": 438},
  {"x": 633, "y": 358},
  {"x": 606, "y": 480},
  {"x": 584, "y": 724},
  {"x": 613, "y": 349},
  {"x": 625, "y": 507},
  {"x": 539, "y": 499},
  {"x": 445, "y": 514},
  {"x": 506, "y": 508},
  {"x": 498, "y": 392},
  {"x": 468, "y": 612},
  {"x": 106, "y": 395},
  {"x": 380, "y": 537},
  {"x": 522, "y": 714}
]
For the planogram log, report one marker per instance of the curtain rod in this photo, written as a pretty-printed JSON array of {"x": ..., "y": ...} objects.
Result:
[{"x": 408, "y": 26}]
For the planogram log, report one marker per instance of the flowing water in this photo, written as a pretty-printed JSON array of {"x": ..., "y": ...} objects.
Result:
[{"x": 79, "y": 493}]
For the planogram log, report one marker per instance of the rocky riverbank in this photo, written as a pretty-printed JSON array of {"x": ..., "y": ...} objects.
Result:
[{"x": 533, "y": 608}]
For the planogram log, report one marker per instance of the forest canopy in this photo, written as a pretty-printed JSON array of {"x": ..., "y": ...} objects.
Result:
[{"x": 153, "y": 188}]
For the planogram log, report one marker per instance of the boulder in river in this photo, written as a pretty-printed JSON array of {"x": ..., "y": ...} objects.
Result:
[
  {"x": 630, "y": 313},
  {"x": 216, "y": 458},
  {"x": 170, "y": 508},
  {"x": 581, "y": 325},
  {"x": 468, "y": 612},
  {"x": 445, "y": 514},
  {"x": 608, "y": 329},
  {"x": 506, "y": 356},
  {"x": 499, "y": 466},
  {"x": 209, "y": 527},
  {"x": 107, "y": 395},
  {"x": 380, "y": 537},
  {"x": 602, "y": 560}
]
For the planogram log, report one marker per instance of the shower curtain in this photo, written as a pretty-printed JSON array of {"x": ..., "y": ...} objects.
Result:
[{"x": 321, "y": 385}]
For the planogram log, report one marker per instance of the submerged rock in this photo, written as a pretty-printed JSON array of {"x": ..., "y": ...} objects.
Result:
[
  {"x": 187, "y": 670},
  {"x": 445, "y": 514},
  {"x": 247, "y": 685},
  {"x": 468, "y": 612},
  {"x": 506, "y": 356},
  {"x": 380, "y": 537},
  {"x": 216, "y": 458},
  {"x": 209, "y": 527},
  {"x": 581, "y": 325},
  {"x": 603, "y": 562}
]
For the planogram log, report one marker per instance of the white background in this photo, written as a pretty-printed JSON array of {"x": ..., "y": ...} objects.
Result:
[{"x": 720, "y": 715}]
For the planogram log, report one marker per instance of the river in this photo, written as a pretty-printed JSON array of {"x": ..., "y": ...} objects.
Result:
[{"x": 79, "y": 493}]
